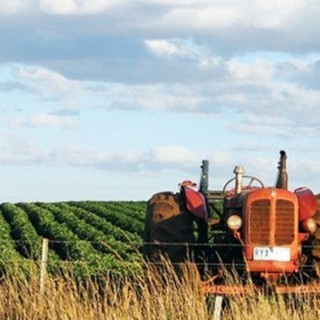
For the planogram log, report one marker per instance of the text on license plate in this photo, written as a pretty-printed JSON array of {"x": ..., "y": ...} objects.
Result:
[{"x": 271, "y": 253}]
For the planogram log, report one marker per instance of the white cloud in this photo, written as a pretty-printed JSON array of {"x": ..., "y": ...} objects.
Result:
[
  {"x": 69, "y": 7},
  {"x": 164, "y": 47},
  {"x": 254, "y": 71},
  {"x": 177, "y": 3},
  {"x": 203, "y": 17},
  {"x": 160, "y": 97},
  {"x": 276, "y": 14},
  {"x": 47, "y": 82},
  {"x": 174, "y": 155},
  {"x": 301, "y": 102},
  {"x": 206, "y": 15},
  {"x": 251, "y": 87},
  {"x": 182, "y": 163},
  {"x": 57, "y": 7},
  {"x": 162, "y": 157},
  {"x": 24, "y": 151},
  {"x": 273, "y": 120},
  {"x": 182, "y": 48},
  {"x": 80, "y": 157},
  {"x": 13, "y": 6},
  {"x": 150, "y": 97},
  {"x": 45, "y": 120}
]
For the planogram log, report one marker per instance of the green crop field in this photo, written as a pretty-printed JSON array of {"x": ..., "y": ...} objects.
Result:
[{"x": 87, "y": 237}]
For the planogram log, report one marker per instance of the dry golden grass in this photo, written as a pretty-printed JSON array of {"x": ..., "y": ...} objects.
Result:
[{"x": 153, "y": 295}]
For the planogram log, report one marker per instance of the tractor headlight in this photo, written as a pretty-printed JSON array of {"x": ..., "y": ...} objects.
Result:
[
  {"x": 234, "y": 222},
  {"x": 309, "y": 225}
]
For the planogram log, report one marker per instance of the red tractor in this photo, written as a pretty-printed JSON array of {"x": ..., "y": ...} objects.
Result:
[{"x": 269, "y": 233}]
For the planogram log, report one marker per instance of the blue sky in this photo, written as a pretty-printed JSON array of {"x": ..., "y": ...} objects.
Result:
[{"x": 119, "y": 99}]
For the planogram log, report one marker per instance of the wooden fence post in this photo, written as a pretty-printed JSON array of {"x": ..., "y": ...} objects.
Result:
[
  {"x": 43, "y": 266},
  {"x": 217, "y": 307}
]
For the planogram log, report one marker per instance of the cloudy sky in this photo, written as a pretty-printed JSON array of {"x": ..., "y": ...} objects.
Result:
[{"x": 119, "y": 99}]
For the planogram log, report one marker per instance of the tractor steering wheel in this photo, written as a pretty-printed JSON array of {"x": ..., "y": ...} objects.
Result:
[{"x": 248, "y": 186}]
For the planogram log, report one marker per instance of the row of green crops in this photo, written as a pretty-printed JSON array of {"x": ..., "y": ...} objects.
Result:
[{"x": 89, "y": 238}]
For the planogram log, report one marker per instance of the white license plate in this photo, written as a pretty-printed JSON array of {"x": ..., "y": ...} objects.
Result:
[{"x": 271, "y": 253}]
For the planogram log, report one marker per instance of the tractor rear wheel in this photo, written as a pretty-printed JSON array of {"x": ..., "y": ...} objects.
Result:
[{"x": 168, "y": 228}]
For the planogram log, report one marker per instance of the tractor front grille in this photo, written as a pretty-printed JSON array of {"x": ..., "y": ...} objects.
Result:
[
  {"x": 268, "y": 228},
  {"x": 259, "y": 222},
  {"x": 284, "y": 228}
]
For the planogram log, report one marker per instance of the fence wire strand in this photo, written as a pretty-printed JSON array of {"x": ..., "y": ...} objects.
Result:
[{"x": 157, "y": 244}]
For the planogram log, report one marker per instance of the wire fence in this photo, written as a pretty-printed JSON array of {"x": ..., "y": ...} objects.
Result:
[
  {"x": 202, "y": 262},
  {"x": 156, "y": 244}
]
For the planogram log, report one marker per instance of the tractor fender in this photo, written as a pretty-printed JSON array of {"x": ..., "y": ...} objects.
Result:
[
  {"x": 196, "y": 203},
  {"x": 307, "y": 203}
]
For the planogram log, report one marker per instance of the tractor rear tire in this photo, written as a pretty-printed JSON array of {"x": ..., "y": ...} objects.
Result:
[{"x": 168, "y": 228}]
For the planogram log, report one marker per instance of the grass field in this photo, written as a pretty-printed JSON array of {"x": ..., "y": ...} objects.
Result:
[{"x": 148, "y": 296}]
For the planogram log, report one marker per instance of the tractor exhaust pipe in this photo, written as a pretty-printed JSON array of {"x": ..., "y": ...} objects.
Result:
[
  {"x": 282, "y": 180},
  {"x": 239, "y": 172},
  {"x": 204, "y": 180}
]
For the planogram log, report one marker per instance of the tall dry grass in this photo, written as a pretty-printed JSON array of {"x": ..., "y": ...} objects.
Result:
[{"x": 153, "y": 295}]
